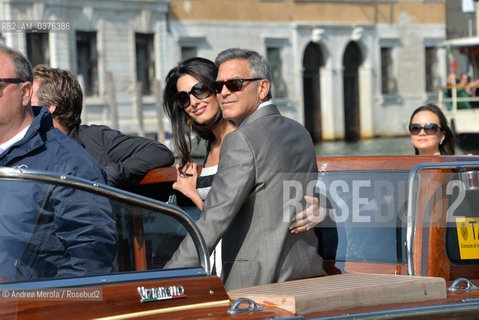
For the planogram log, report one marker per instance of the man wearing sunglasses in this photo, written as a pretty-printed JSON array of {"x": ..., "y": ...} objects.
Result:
[
  {"x": 45, "y": 231},
  {"x": 246, "y": 204}
]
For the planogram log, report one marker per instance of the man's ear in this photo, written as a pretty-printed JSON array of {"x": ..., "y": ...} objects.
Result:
[
  {"x": 27, "y": 91},
  {"x": 51, "y": 108},
  {"x": 263, "y": 88}
]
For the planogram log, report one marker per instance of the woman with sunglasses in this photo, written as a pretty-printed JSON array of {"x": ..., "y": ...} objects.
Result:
[
  {"x": 190, "y": 103},
  {"x": 430, "y": 134}
]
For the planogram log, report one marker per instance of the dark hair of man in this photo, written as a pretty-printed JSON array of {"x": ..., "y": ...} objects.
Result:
[
  {"x": 448, "y": 145},
  {"x": 259, "y": 66},
  {"x": 23, "y": 68},
  {"x": 60, "y": 88},
  {"x": 205, "y": 71}
]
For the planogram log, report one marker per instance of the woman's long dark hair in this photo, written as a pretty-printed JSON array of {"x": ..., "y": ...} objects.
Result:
[
  {"x": 205, "y": 71},
  {"x": 448, "y": 145}
]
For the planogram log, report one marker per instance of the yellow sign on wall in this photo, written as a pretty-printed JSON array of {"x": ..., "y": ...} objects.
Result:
[{"x": 468, "y": 237}]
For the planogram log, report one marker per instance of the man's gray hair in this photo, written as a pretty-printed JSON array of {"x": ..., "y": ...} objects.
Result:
[
  {"x": 23, "y": 68},
  {"x": 259, "y": 66}
]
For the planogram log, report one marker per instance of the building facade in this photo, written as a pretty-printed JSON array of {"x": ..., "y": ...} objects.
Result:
[{"x": 345, "y": 69}]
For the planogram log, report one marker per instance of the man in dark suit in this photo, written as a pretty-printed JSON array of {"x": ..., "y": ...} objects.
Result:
[
  {"x": 246, "y": 206},
  {"x": 126, "y": 159}
]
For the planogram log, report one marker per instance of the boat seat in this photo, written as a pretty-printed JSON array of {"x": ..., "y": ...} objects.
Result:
[{"x": 344, "y": 291}]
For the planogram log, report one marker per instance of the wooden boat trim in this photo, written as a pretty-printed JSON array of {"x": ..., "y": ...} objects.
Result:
[
  {"x": 122, "y": 299},
  {"x": 328, "y": 164},
  {"x": 412, "y": 201},
  {"x": 339, "y": 267},
  {"x": 211, "y": 304}
]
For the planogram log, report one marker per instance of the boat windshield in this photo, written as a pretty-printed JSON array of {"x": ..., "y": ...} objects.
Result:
[
  {"x": 446, "y": 196},
  {"x": 54, "y": 227},
  {"x": 366, "y": 220},
  {"x": 370, "y": 218}
]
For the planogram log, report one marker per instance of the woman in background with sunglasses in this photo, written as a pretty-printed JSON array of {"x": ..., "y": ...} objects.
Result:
[{"x": 430, "y": 134}]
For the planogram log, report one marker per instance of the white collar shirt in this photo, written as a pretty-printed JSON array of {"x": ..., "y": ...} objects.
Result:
[
  {"x": 19, "y": 136},
  {"x": 266, "y": 103}
]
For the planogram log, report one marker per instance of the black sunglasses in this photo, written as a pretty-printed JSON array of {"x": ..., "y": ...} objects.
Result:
[
  {"x": 199, "y": 91},
  {"x": 233, "y": 85},
  {"x": 430, "y": 128},
  {"x": 12, "y": 80}
]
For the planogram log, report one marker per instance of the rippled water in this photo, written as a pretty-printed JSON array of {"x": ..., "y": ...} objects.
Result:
[{"x": 366, "y": 147}]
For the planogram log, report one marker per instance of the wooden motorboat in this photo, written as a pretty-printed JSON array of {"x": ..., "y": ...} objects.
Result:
[{"x": 400, "y": 242}]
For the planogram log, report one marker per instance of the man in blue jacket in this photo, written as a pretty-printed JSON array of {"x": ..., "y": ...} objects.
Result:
[{"x": 46, "y": 231}]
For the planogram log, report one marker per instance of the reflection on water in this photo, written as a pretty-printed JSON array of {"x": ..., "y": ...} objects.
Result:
[{"x": 366, "y": 147}]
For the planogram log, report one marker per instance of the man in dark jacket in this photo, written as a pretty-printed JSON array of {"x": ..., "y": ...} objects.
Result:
[
  {"x": 46, "y": 231},
  {"x": 126, "y": 159}
]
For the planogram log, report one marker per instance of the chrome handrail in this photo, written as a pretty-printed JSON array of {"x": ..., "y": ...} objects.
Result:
[
  {"x": 412, "y": 186},
  {"x": 102, "y": 189}
]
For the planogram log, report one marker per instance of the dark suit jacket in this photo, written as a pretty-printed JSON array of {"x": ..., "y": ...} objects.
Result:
[
  {"x": 247, "y": 208},
  {"x": 126, "y": 159}
]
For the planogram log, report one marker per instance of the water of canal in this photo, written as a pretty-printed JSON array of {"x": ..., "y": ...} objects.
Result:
[
  {"x": 369, "y": 147},
  {"x": 364, "y": 147}
]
